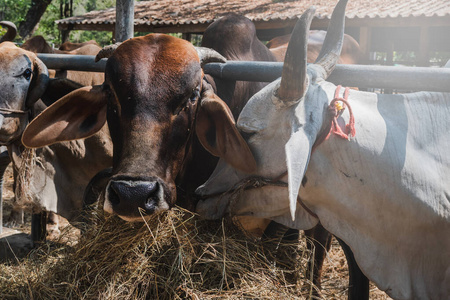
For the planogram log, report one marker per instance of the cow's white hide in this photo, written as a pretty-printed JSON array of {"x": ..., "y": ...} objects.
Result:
[{"x": 385, "y": 192}]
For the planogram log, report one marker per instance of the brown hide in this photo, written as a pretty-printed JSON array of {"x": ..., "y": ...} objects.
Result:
[
  {"x": 152, "y": 96},
  {"x": 234, "y": 37},
  {"x": 69, "y": 46},
  {"x": 37, "y": 44},
  {"x": 350, "y": 54}
]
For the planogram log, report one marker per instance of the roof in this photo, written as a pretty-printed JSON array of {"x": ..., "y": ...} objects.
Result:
[{"x": 170, "y": 13}]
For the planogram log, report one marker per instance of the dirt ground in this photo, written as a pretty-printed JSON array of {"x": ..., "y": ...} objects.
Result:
[{"x": 335, "y": 274}]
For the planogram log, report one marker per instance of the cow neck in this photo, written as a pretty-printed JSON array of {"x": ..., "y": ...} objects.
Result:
[{"x": 254, "y": 182}]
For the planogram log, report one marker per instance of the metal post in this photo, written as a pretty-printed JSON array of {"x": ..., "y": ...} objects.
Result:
[{"x": 124, "y": 28}]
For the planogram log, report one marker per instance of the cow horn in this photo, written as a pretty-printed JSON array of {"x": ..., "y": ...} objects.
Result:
[
  {"x": 208, "y": 55},
  {"x": 332, "y": 46},
  {"x": 293, "y": 77},
  {"x": 11, "y": 33},
  {"x": 107, "y": 51},
  {"x": 39, "y": 82}
]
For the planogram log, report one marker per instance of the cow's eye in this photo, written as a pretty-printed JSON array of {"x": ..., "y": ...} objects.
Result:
[
  {"x": 195, "y": 94},
  {"x": 27, "y": 74}
]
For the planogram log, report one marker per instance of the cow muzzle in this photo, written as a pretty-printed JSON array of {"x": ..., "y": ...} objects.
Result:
[{"x": 133, "y": 199}]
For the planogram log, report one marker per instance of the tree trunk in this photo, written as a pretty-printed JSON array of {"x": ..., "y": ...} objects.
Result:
[
  {"x": 65, "y": 11},
  {"x": 34, "y": 14}
]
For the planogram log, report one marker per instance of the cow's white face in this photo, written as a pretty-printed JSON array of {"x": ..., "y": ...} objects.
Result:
[
  {"x": 280, "y": 137},
  {"x": 282, "y": 123},
  {"x": 16, "y": 70}
]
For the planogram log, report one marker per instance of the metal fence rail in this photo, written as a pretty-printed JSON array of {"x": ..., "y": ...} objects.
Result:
[{"x": 362, "y": 76}]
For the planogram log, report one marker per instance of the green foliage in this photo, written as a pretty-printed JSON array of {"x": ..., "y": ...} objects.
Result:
[
  {"x": 14, "y": 10},
  {"x": 47, "y": 27},
  {"x": 101, "y": 37}
]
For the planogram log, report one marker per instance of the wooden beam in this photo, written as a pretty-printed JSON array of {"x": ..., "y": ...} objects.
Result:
[
  {"x": 424, "y": 55},
  {"x": 186, "y": 36},
  {"x": 261, "y": 25},
  {"x": 364, "y": 42}
]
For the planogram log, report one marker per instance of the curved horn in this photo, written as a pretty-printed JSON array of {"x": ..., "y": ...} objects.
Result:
[
  {"x": 40, "y": 82},
  {"x": 332, "y": 46},
  {"x": 208, "y": 55},
  {"x": 293, "y": 77},
  {"x": 107, "y": 51},
  {"x": 10, "y": 35}
]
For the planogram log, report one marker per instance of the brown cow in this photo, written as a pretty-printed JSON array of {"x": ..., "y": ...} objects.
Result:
[
  {"x": 351, "y": 52},
  {"x": 69, "y": 46},
  {"x": 37, "y": 44},
  {"x": 156, "y": 104},
  {"x": 53, "y": 178}
]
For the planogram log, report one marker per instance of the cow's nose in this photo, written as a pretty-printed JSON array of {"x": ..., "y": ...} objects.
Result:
[{"x": 134, "y": 194}]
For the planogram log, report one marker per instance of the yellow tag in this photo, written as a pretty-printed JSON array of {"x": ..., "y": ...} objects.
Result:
[{"x": 339, "y": 105}]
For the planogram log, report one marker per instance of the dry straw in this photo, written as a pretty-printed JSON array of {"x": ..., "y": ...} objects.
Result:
[
  {"x": 174, "y": 255},
  {"x": 25, "y": 172}
]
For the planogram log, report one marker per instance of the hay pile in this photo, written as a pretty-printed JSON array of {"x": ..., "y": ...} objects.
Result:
[{"x": 175, "y": 255}]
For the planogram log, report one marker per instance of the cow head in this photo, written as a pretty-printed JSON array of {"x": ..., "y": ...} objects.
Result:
[
  {"x": 281, "y": 124},
  {"x": 24, "y": 79},
  {"x": 154, "y": 99}
]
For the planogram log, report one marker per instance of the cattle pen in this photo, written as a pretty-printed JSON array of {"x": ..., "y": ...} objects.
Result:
[{"x": 176, "y": 231}]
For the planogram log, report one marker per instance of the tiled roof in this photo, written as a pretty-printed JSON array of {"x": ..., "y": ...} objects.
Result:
[{"x": 185, "y": 12}]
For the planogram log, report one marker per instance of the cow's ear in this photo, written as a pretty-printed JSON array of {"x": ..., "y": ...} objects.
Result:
[
  {"x": 77, "y": 115},
  {"x": 217, "y": 132}
]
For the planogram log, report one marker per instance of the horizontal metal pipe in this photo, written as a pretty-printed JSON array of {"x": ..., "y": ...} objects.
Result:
[
  {"x": 73, "y": 62},
  {"x": 362, "y": 76}
]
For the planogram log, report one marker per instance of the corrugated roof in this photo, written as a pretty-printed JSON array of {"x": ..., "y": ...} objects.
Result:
[{"x": 184, "y": 12}]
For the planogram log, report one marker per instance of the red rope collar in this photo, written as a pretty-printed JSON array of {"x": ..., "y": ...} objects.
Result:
[{"x": 335, "y": 110}]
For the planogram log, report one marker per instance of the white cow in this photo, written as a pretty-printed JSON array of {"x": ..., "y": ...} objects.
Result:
[
  {"x": 385, "y": 191},
  {"x": 51, "y": 178}
]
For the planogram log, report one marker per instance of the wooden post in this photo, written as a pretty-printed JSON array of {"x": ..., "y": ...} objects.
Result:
[
  {"x": 186, "y": 36},
  {"x": 124, "y": 28},
  {"x": 364, "y": 43}
]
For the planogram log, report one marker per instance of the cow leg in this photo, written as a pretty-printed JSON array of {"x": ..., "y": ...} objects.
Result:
[
  {"x": 271, "y": 238},
  {"x": 358, "y": 282},
  {"x": 16, "y": 217},
  {"x": 319, "y": 243},
  {"x": 280, "y": 244},
  {"x": 38, "y": 227},
  {"x": 4, "y": 161}
]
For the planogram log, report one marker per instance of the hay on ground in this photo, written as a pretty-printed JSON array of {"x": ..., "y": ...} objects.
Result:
[{"x": 174, "y": 255}]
